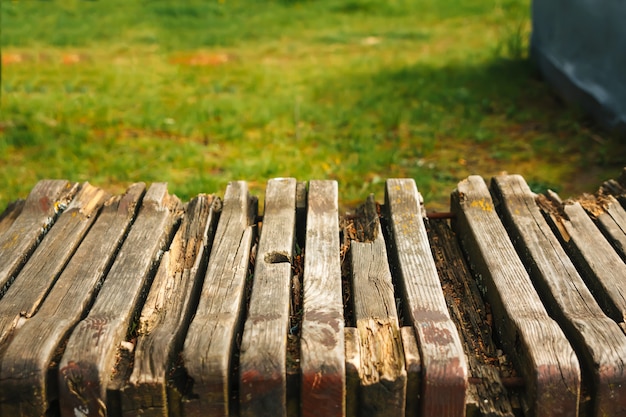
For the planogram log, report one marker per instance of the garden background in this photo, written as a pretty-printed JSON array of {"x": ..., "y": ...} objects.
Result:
[{"x": 201, "y": 92}]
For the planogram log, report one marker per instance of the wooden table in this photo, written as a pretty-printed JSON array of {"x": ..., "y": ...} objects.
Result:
[{"x": 139, "y": 304}]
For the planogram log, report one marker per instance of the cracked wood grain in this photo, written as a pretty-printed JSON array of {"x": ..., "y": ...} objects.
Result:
[
  {"x": 167, "y": 311},
  {"x": 30, "y": 355},
  {"x": 89, "y": 358},
  {"x": 45, "y": 201},
  {"x": 323, "y": 386},
  {"x": 443, "y": 361},
  {"x": 38, "y": 275},
  {"x": 210, "y": 340},
  {"x": 536, "y": 343},
  {"x": 262, "y": 365},
  {"x": 599, "y": 264},
  {"x": 599, "y": 341},
  {"x": 382, "y": 374}
]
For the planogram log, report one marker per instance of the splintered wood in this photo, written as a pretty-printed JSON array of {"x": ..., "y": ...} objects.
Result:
[
  {"x": 381, "y": 369},
  {"x": 211, "y": 338},
  {"x": 138, "y": 304}
]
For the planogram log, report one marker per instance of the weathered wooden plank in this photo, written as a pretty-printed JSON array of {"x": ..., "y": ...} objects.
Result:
[
  {"x": 413, "y": 364},
  {"x": 90, "y": 355},
  {"x": 598, "y": 339},
  {"x": 167, "y": 311},
  {"x": 8, "y": 216},
  {"x": 472, "y": 317},
  {"x": 31, "y": 354},
  {"x": 537, "y": 344},
  {"x": 262, "y": 363},
  {"x": 38, "y": 275},
  {"x": 44, "y": 202},
  {"x": 210, "y": 341},
  {"x": 382, "y": 373},
  {"x": 444, "y": 365},
  {"x": 610, "y": 218},
  {"x": 616, "y": 188},
  {"x": 322, "y": 341},
  {"x": 601, "y": 267}
]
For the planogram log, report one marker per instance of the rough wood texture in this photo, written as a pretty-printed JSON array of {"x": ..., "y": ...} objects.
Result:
[
  {"x": 211, "y": 337},
  {"x": 36, "y": 278},
  {"x": 322, "y": 342},
  {"x": 167, "y": 312},
  {"x": 262, "y": 364},
  {"x": 444, "y": 366},
  {"x": 601, "y": 267},
  {"x": 9, "y": 215},
  {"x": 473, "y": 318},
  {"x": 542, "y": 353},
  {"x": 90, "y": 355},
  {"x": 382, "y": 374},
  {"x": 610, "y": 217},
  {"x": 598, "y": 339},
  {"x": 31, "y": 354},
  {"x": 413, "y": 364},
  {"x": 44, "y": 202}
]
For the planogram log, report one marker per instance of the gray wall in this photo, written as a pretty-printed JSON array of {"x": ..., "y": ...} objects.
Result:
[{"x": 580, "y": 48}]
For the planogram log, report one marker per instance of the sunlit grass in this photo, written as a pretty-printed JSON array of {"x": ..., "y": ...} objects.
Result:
[{"x": 203, "y": 92}]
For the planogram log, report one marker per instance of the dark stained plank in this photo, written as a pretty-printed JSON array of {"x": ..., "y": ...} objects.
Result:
[
  {"x": 90, "y": 355},
  {"x": 9, "y": 215},
  {"x": 262, "y": 363},
  {"x": 444, "y": 365},
  {"x": 44, "y": 202},
  {"x": 24, "y": 389},
  {"x": 601, "y": 267},
  {"x": 598, "y": 339},
  {"x": 167, "y": 311},
  {"x": 413, "y": 364},
  {"x": 382, "y": 373},
  {"x": 536, "y": 343},
  {"x": 610, "y": 217},
  {"x": 472, "y": 317},
  {"x": 210, "y": 341},
  {"x": 353, "y": 364},
  {"x": 322, "y": 341},
  {"x": 38, "y": 275}
]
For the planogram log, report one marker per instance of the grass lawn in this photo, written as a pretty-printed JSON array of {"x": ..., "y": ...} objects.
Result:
[{"x": 201, "y": 92}]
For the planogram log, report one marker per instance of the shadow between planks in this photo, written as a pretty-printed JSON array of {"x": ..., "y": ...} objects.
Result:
[{"x": 211, "y": 308}]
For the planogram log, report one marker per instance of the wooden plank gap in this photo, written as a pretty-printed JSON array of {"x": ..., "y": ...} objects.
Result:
[
  {"x": 37, "y": 277},
  {"x": 599, "y": 264},
  {"x": 29, "y": 366},
  {"x": 167, "y": 312},
  {"x": 210, "y": 352},
  {"x": 536, "y": 343},
  {"x": 46, "y": 200},
  {"x": 597, "y": 339},
  {"x": 93, "y": 348},
  {"x": 474, "y": 319}
]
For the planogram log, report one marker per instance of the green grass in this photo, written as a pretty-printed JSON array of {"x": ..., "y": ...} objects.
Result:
[{"x": 201, "y": 92}]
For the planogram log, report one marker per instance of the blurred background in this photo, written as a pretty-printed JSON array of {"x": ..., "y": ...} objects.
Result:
[{"x": 201, "y": 92}]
